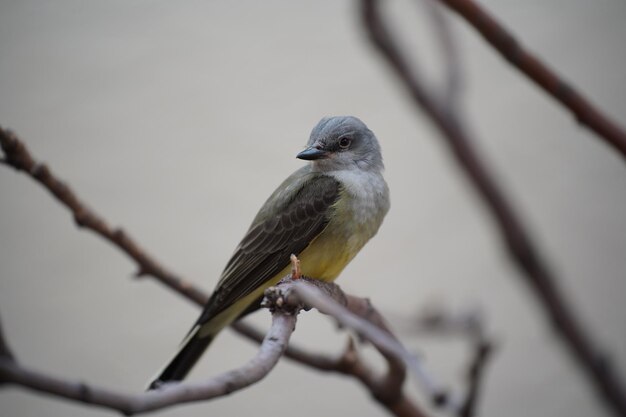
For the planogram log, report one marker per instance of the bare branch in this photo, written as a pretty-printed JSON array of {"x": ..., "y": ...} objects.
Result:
[
  {"x": 5, "y": 352},
  {"x": 528, "y": 64},
  {"x": 329, "y": 299},
  {"x": 520, "y": 246},
  {"x": 386, "y": 390},
  {"x": 475, "y": 373},
  {"x": 448, "y": 47},
  {"x": 18, "y": 156},
  {"x": 314, "y": 360},
  {"x": 256, "y": 369},
  {"x": 469, "y": 326},
  {"x": 316, "y": 295}
]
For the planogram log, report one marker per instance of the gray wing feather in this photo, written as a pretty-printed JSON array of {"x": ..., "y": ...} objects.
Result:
[{"x": 265, "y": 249}]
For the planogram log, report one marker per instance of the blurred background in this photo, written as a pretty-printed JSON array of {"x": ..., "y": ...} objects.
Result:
[{"x": 176, "y": 120}]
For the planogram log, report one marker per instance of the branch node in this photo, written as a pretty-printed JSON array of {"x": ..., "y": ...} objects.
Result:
[
  {"x": 119, "y": 234},
  {"x": 140, "y": 273},
  {"x": 81, "y": 217},
  {"x": 38, "y": 170},
  {"x": 84, "y": 393},
  {"x": 349, "y": 356},
  {"x": 277, "y": 298},
  {"x": 440, "y": 398}
]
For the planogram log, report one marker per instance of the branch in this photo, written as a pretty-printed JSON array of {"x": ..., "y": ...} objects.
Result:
[
  {"x": 448, "y": 48},
  {"x": 475, "y": 373},
  {"x": 5, "y": 352},
  {"x": 518, "y": 241},
  {"x": 471, "y": 327},
  {"x": 386, "y": 389},
  {"x": 256, "y": 369},
  {"x": 316, "y": 296},
  {"x": 18, "y": 156},
  {"x": 528, "y": 64},
  {"x": 314, "y": 360}
]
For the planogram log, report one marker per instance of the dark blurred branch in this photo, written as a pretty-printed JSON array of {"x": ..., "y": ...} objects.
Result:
[
  {"x": 448, "y": 48},
  {"x": 528, "y": 64},
  {"x": 256, "y": 369},
  {"x": 470, "y": 327},
  {"x": 475, "y": 375},
  {"x": 521, "y": 248},
  {"x": 5, "y": 352}
]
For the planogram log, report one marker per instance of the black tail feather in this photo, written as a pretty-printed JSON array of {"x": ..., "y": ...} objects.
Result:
[
  {"x": 193, "y": 347},
  {"x": 185, "y": 359}
]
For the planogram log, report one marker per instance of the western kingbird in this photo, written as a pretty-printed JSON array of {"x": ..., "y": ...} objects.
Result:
[{"x": 324, "y": 213}]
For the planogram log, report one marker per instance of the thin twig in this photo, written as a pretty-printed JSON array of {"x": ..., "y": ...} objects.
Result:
[
  {"x": 546, "y": 78},
  {"x": 520, "y": 246}
]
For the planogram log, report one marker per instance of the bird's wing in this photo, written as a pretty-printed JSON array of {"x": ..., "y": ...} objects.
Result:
[{"x": 266, "y": 248}]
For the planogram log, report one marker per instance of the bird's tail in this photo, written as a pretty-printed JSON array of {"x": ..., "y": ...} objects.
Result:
[{"x": 191, "y": 349}]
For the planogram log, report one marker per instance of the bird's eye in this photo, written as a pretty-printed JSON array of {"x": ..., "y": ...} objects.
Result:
[{"x": 344, "y": 142}]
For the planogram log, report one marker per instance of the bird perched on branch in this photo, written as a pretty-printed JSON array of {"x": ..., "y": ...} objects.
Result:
[{"x": 324, "y": 213}]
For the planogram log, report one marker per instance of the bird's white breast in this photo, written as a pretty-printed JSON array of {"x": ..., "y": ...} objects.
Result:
[{"x": 363, "y": 206}]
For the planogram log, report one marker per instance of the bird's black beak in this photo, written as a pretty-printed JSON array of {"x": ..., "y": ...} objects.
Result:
[{"x": 312, "y": 153}]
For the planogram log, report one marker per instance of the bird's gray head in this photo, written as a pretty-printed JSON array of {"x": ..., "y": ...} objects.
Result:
[{"x": 342, "y": 142}]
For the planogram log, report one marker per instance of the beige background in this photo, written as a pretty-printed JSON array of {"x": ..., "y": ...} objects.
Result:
[{"x": 176, "y": 120}]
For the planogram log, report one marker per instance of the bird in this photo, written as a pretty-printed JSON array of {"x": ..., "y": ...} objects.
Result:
[{"x": 324, "y": 213}]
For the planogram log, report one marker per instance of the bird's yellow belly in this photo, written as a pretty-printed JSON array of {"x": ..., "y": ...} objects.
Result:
[{"x": 323, "y": 259}]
